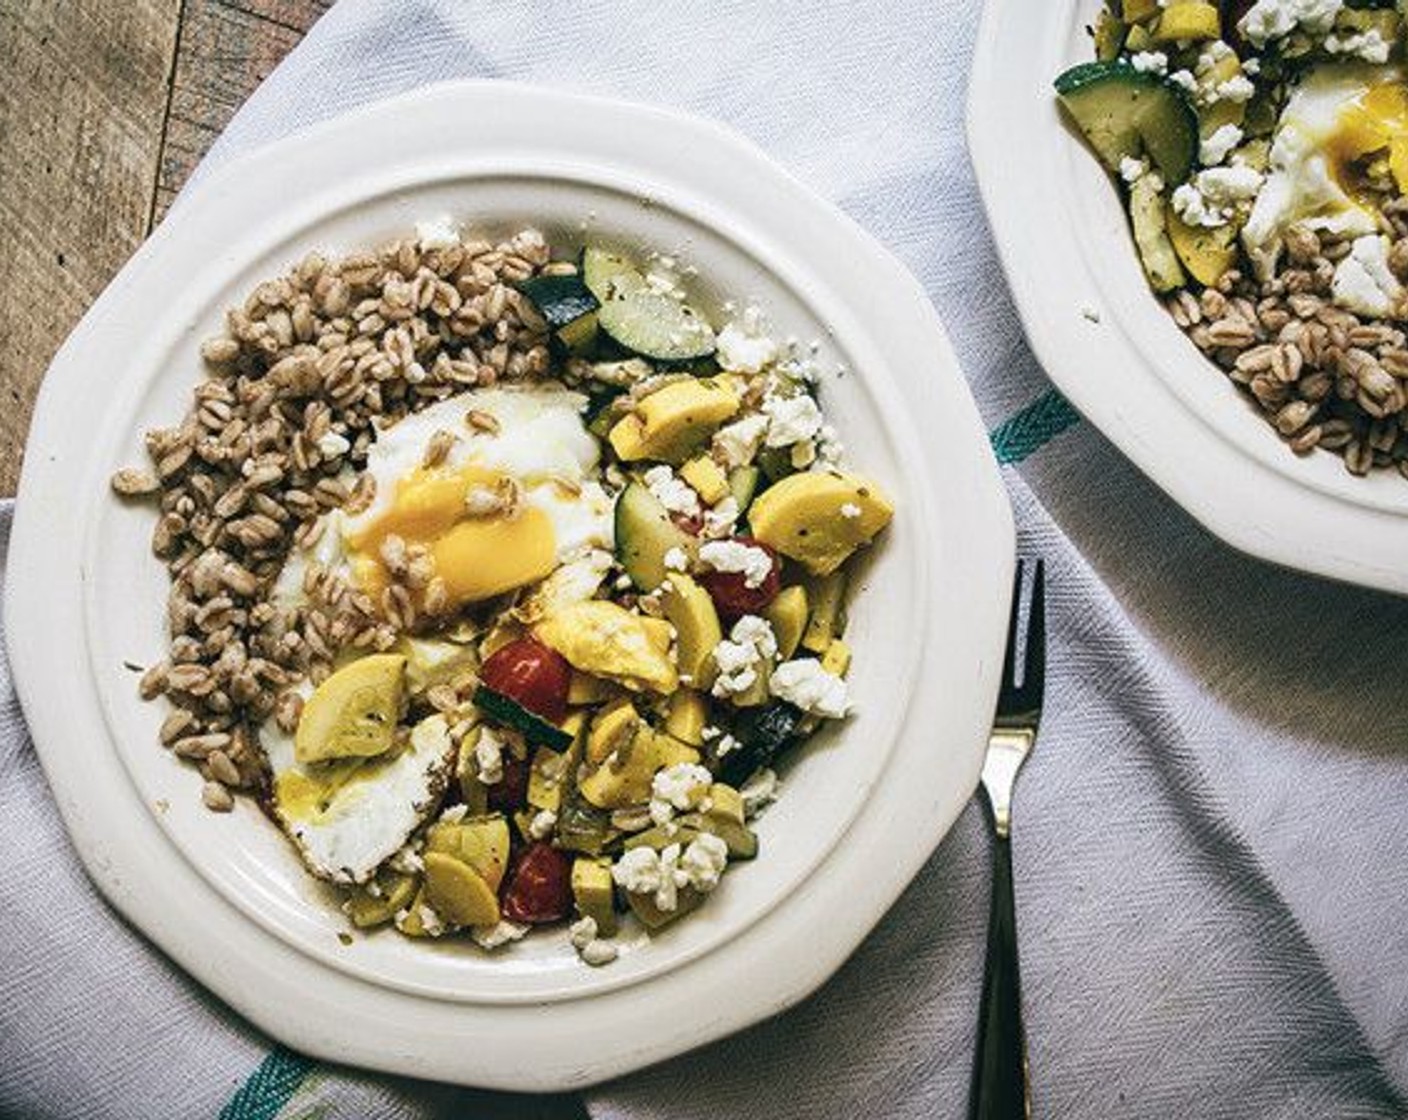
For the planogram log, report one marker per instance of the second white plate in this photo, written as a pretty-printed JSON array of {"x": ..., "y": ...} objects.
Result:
[{"x": 1115, "y": 353}]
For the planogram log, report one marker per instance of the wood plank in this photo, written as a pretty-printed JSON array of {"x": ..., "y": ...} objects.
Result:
[
  {"x": 83, "y": 87},
  {"x": 227, "y": 47}
]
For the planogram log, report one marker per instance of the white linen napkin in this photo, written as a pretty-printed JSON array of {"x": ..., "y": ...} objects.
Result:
[{"x": 1211, "y": 858}]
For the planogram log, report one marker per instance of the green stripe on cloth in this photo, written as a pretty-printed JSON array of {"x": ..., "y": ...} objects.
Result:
[
  {"x": 1032, "y": 428},
  {"x": 279, "y": 1075},
  {"x": 269, "y": 1087}
]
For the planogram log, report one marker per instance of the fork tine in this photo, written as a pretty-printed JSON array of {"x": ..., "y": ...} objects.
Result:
[
  {"x": 1009, "y": 666},
  {"x": 1034, "y": 672}
]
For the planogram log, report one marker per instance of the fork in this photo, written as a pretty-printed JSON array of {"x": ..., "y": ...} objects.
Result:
[{"x": 1000, "y": 1076}]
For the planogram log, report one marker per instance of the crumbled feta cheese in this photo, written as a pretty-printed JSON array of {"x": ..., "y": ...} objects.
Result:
[
  {"x": 1131, "y": 168},
  {"x": 638, "y": 871},
  {"x": 742, "y": 351},
  {"x": 406, "y": 860},
  {"x": 675, "y": 560},
  {"x": 738, "y": 442},
  {"x": 1251, "y": 67},
  {"x": 791, "y": 419},
  {"x": 663, "y": 874},
  {"x": 489, "y": 756},
  {"x": 582, "y": 932},
  {"x": 1212, "y": 197},
  {"x": 759, "y": 791},
  {"x": 682, "y": 785},
  {"x": 1185, "y": 79},
  {"x": 1212, "y": 54},
  {"x": 710, "y": 732},
  {"x": 749, "y": 644},
  {"x": 702, "y": 863},
  {"x": 850, "y": 509},
  {"x": 1363, "y": 282},
  {"x": 492, "y": 937},
  {"x": 810, "y": 687},
  {"x": 719, "y": 521},
  {"x": 1275, "y": 19},
  {"x": 753, "y": 563},
  {"x": 438, "y": 233},
  {"x": 1216, "y": 147},
  {"x": 1237, "y": 88},
  {"x": 541, "y": 826},
  {"x": 726, "y": 746},
  {"x": 1367, "y": 45},
  {"x": 1150, "y": 62},
  {"x": 830, "y": 448},
  {"x": 454, "y": 814},
  {"x": 673, "y": 492},
  {"x": 331, "y": 445},
  {"x": 598, "y": 952},
  {"x": 430, "y": 921}
]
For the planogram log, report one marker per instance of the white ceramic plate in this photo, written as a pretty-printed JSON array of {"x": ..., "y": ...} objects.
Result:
[
  {"x": 862, "y": 808},
  {"x": 1113, "y": 350}
]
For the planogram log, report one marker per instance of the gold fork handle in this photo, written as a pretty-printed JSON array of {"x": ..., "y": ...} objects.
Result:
[{"x": 1000, "y": 1068}]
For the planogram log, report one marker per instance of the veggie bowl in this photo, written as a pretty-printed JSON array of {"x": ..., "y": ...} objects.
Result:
[
  {"x": 502, "y": 580},
  {"x": 1141, "y": 364}
]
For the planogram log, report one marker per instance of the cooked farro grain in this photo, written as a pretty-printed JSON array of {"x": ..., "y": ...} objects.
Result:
[{"x": 1323, "y": 377}]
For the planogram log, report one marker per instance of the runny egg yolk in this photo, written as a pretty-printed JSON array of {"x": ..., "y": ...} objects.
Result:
[
  {"x": 477, "y": 554},
  {"x": 1375, "y": 122}
]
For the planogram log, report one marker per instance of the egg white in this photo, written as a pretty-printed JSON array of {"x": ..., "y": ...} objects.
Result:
[
  {"x": 367, "y": 820},
  {"x": 1299, "y": 185}
]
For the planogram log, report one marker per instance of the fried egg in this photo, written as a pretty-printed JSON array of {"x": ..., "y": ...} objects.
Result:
[
  {"x": 1342, "y": 124},
  {"x": 514, "y": 496},
  {"x": 347, "y": 817}
]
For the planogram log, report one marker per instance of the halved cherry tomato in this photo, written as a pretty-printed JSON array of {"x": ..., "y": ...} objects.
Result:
[
  {"x": 511, "y": 791},
  {"x": 731, "y": 593},
  {"x": 535, "y": 676},
  {"x": 540, "y": 885}
]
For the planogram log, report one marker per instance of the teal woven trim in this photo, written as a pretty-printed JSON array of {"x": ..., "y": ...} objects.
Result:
[
  {"x": 269, "y": 1087},
  {"x": 1032, "y": 428}
]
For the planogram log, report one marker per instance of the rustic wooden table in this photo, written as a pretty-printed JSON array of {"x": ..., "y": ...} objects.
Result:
[{"x": 105, "y": 108}]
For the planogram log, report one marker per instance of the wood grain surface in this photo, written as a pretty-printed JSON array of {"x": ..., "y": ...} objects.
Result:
[{"x": 105, "y": 108}]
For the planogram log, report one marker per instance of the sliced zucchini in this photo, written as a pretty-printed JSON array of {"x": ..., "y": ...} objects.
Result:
[
  {"x": 776, "y": 463},
  {"x": 582, "y": 827},
  {"x": 536, "y": 731},
  {"x": 1127, "y": 112},
  {"x": 743, "y": 484},
  {"x": 741, "y": 840},
  {"x": 656, "y": 325},
  {"x": 1109, "y": 35},
  {"x": 763, "y": 733},
  {"x": 645, "y": 535},
  {"x": 599, "y": 415},
  {"x": 1148, "y": 212},
  {"x": 827, "y": 598},
  {"x": 1206, "y": 253},
  {"x": 609, "y": 275},
  {"x": 661, "y": 837},
  {"x": 568, "y": 306}
]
